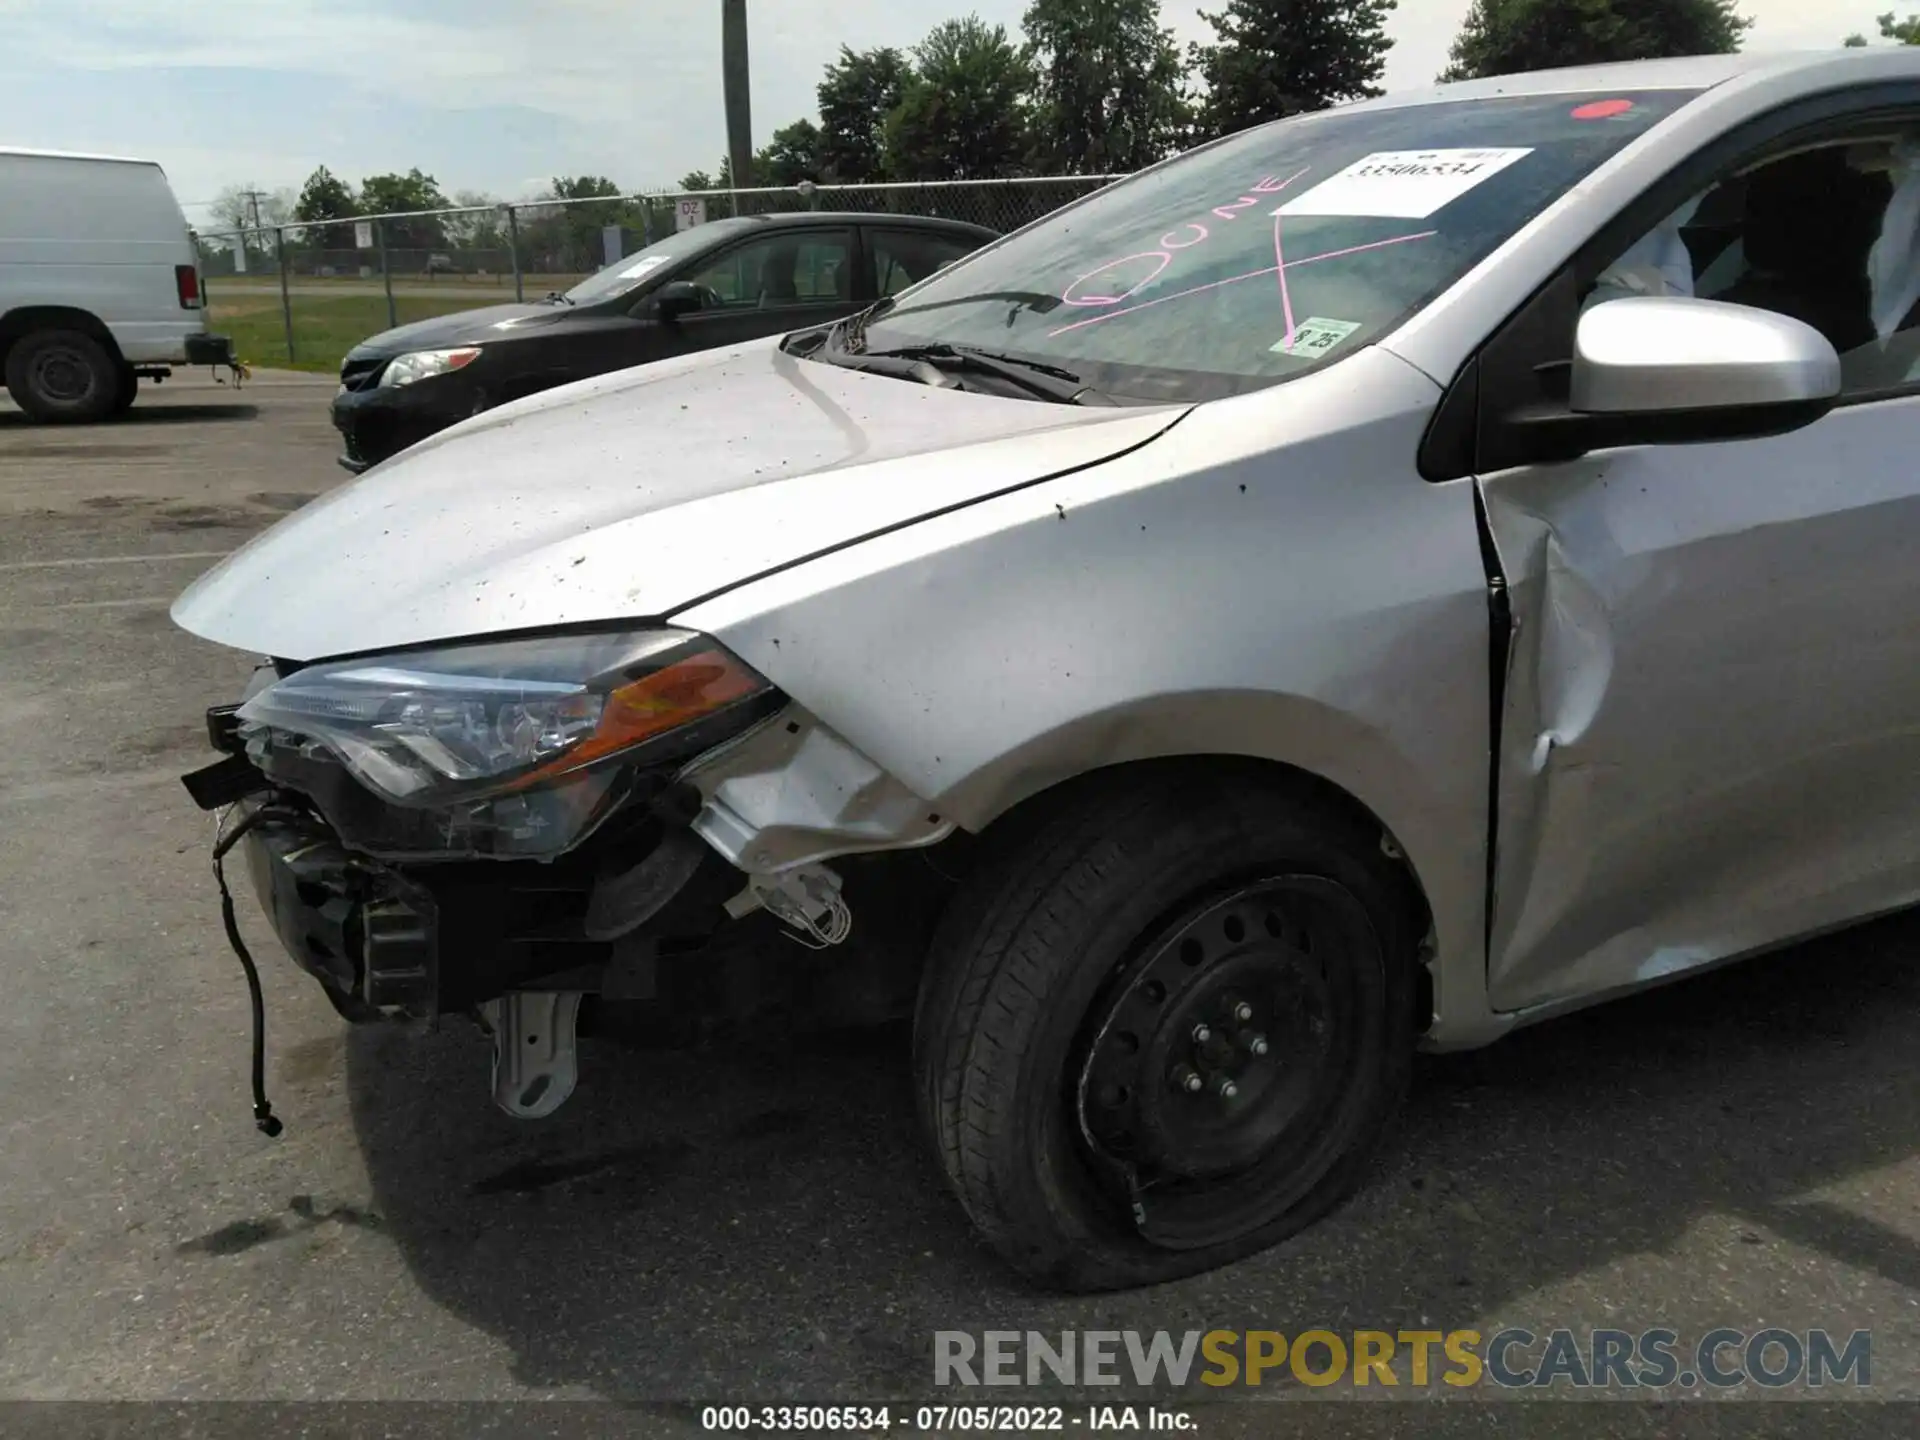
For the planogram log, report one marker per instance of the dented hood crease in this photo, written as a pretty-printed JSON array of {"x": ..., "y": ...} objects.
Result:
[{"x": 629, "y": 495}]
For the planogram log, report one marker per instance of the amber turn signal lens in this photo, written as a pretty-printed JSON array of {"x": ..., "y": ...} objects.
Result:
[{"x": 674, "y": 695}]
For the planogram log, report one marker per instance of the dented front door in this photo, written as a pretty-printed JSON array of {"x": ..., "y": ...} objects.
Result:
[{"x": 1710, "y": 733}]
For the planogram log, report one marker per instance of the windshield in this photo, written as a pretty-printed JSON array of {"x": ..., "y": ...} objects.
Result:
[
  {"x": 1253, "y": 260},
  {"x": 643, "y": 265}
]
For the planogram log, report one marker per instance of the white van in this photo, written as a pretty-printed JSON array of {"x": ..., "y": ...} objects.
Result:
[{"x": 99, "y": 284}]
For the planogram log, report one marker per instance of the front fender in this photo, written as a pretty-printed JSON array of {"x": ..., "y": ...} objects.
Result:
[
  {"x": 1294, "y": 730},
  {"x": 1269, "y": 578}
]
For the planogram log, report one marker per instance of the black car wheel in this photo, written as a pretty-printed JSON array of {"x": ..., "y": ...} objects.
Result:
[
  {"x": 1167, "y": 1027},
  {"x": 62, "y": 376},
  {"x": 129, "y": 388}
]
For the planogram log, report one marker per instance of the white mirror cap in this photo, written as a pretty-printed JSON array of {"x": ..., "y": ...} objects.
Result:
[{"x": 1648, "y": 354}]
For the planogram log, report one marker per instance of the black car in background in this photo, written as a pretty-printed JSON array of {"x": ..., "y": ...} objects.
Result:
[{"x": 716, "y": 284}]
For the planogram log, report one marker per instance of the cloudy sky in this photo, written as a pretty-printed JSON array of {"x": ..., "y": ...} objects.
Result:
[{"x": 498, "y": 95}]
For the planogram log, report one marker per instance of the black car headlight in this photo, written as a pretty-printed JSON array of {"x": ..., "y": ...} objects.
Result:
[{"x": 511, "y": 748}]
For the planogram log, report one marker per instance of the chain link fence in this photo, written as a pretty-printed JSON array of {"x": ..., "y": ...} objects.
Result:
[{"x": 303, "y": 295}]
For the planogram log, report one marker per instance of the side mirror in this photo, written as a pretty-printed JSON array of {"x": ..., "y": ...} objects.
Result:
[
  {"x": 1673, "y": 368},
  {"x": 674, "y": 299}
]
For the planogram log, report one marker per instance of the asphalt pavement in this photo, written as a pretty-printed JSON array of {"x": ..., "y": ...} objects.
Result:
[{"x": 1740, "y": 1150}]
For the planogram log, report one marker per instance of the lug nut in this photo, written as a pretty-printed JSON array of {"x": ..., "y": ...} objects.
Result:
[
  {"x": 1225, "y": 1088},
  {"x": 1243, "y": 1012},
  {"x": 1257, "y": 1044},
  {"x": 1202, "y": 1033},
  {"x": 1186, "y": 1078}
]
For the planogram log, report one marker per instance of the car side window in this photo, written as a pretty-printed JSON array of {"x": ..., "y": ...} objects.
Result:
[
  {"x": 906, "y": 257},
  {"x": 1826, "y": 233},
  {"x": 787, "y": 268}
]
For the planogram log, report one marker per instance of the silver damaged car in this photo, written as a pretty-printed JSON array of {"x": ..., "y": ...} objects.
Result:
[{"x": 1373, "y": 581}]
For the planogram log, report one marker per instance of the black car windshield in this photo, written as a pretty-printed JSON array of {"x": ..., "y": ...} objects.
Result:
[
  {"x": 643, "y": 266},
  {"x": 1253, "y": 260}
]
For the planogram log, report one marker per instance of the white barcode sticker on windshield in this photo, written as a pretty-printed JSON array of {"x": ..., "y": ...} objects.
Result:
[
  {"x": 641, "y": 267},
  {"x": 1314, "y": 337},
  {"x": 1401, "y": 184}
]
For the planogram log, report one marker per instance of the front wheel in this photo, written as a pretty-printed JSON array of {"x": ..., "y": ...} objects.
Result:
[
  {"x": 62, "y": 376},
  {"x": 1166, "y": 1027}
]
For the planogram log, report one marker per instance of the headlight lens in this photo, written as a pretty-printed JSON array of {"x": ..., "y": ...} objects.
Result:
[
  {"x": 405, "y": 369},
  {"x": 511, "y": 750},
  {"x": 431, "y": 726}
]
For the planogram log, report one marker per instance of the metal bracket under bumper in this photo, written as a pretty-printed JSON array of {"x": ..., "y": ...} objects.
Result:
[{"x": 535, "y": 1059}]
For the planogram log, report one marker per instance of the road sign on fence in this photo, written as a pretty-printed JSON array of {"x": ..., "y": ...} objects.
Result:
[
  {"x": 363, "y": 234},
  {"x": 689, "y": 213}
]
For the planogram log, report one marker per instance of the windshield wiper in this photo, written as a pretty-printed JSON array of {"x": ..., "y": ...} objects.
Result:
[
  {"x": 1050, "y": 382},
  {"x": 553, "y": 295},
  {"x": 853, "y": 335}
]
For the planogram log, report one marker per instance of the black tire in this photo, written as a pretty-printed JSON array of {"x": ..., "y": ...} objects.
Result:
[
  {"x": 1067, "y": 923},
  {"x": 62, "y": 377},
  {"x": 129, "y": 388}
]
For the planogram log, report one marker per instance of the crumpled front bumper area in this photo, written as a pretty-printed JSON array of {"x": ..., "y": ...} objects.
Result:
[
  {"x": 676, "y": 917},
  {"x": 368, "y": 937},
  {"x": 388, "y": 943}
]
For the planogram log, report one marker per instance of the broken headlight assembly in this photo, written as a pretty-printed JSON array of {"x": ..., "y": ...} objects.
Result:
[{"x": 512, "y": 749}]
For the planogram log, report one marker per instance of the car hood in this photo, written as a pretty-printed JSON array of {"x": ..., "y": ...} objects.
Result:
[
  {"x": 465, "y": 327},
  {"x": 629, "y": 495}
]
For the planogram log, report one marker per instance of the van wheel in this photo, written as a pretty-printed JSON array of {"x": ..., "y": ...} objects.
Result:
[
  {"x": 1168, "y": 1026},
  {"x": 62, "y": 377},
  {"x": 129, "y": 387}
]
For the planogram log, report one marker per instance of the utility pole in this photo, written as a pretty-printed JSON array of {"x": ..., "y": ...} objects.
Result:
[
  {"x": 253, "y": 205},
  {"x": 733, "y": 75}
]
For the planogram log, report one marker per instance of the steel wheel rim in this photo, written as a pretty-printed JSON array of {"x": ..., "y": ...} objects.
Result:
[
  {"x": 62, "y": 375},
  {"x": 1289, "y": 960}
]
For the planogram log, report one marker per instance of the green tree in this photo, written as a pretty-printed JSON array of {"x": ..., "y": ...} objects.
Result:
[
  {"x": 964, "y": 114},
  {"x": 1107, "y": 85},
  {"x": 1901, "y": 32},
  {"x": 1273, "y": 58},
  {"x": 388, "y": 194},
  {"x": 721, "y": 179},
  {"x": 793, "y": 155},
  {"x": 1906, "y": 31},
  {"x": 584, "y": 187},
  {"x": 570, "y": 235},
  {"x": 1504, "y": 37},
  {"x": 325, "y": 197},
  {"x": 859, "y": 91}
]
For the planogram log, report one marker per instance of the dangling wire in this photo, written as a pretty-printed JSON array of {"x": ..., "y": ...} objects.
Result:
[{"x": 263, "y": 1117}]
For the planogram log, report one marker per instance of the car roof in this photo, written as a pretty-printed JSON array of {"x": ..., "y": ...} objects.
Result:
[
  {"x": 867, "y": 217},
  {"x": 1688, "y": 72}
]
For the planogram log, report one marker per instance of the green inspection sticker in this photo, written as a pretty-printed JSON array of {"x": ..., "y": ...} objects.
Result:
[{"x": 1314, "y": 337}]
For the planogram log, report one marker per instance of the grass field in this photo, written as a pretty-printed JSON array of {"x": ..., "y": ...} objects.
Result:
[{"x": 325, "y": 327}]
